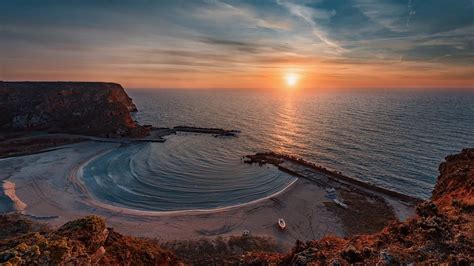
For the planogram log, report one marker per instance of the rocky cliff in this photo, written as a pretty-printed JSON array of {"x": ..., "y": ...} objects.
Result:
[
  {"x": 456, "y": 179},
  {"x": 89, "y": 108}
]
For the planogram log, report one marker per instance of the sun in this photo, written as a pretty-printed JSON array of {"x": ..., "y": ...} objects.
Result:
[{"x": 291, "y": 79}]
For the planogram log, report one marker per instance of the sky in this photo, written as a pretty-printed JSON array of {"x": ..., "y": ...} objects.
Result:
[{"x": 259, "y": 44}]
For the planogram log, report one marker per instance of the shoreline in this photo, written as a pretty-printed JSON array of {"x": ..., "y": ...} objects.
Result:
[
  {"x": 76, "y": 175},
  {"x": 58, "y": 200},
  {"x": 303, "y": 203},
  {"x": 31, "y": 142}
]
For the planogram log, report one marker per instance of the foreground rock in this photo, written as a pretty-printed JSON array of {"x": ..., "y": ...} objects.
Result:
[
  {"x": 81, "y": 242},
  {"x": 89, "y": 108},
  {"x": 88, "y": 241}
]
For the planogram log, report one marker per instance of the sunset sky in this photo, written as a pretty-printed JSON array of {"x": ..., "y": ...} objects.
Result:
[{"x": 241, "y": 44}]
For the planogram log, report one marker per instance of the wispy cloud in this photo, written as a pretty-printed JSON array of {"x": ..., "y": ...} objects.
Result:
[
  {"x": 224, "y": 12},
  {"x": 310, "y": 15},
  {"x": 385, "y": 13},
  {"x": 411, "y": 13}
]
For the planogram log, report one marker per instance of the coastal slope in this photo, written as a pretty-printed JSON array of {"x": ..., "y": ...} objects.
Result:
[{"x": 88, "y": 108}]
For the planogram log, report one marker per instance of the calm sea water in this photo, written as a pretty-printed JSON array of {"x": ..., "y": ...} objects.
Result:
[{"x": 395, "y": 139}]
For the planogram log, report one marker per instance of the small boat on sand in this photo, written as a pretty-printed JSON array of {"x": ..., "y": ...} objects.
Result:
[{"x": 281, "y": 223}]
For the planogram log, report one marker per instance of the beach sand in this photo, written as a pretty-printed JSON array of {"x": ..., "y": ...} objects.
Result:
[{"x": 49, "y": 190}]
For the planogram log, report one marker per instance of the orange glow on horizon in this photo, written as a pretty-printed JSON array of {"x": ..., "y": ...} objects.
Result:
[{"x": 317, "y": 75}]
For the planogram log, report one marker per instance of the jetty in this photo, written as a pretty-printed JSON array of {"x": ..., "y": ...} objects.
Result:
[{"x": 323, "y": 176}]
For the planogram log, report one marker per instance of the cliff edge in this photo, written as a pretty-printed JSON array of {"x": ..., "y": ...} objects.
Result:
[{"x": 88, "y": 108}]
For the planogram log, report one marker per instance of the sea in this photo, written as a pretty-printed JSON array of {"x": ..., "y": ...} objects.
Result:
[{"x": 394, "y": 139}]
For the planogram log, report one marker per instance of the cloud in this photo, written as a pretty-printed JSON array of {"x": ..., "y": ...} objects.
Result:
[
  {"x": 224, "y": 12},
  {"x": 385, "y": 13},
  {"x": 411, "y": 13},
  {"x": 246, "y": 47},
  {"x": 310, "y": 15},
  {"x": 236, "y": 45}
]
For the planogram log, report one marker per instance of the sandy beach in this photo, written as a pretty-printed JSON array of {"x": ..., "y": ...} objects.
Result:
[{"x": 46, "y": 187}]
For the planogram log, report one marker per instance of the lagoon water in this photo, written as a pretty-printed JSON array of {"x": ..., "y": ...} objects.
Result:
[
  {"x": 394, "y": 139},
  {"x": 184, "y": 173}
]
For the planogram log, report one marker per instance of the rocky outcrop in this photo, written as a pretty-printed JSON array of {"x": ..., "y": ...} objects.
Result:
[
  {"x": 88, "y": 241},
  {"x": 456, "y": 179},
  {"x": 85, "y": 241},
  {"x": 89, "y": 108}
]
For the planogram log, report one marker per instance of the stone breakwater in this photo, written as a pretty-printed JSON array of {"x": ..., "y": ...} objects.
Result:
[
  {"x": 279, "y": 159},
  {"x": 89, "y": 108}
]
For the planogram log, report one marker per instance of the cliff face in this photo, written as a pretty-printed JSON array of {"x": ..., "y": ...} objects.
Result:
[{"x": 89, "y": 108}]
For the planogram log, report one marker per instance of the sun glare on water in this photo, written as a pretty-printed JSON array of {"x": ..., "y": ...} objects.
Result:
[{"x": 291, "y": 79}]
